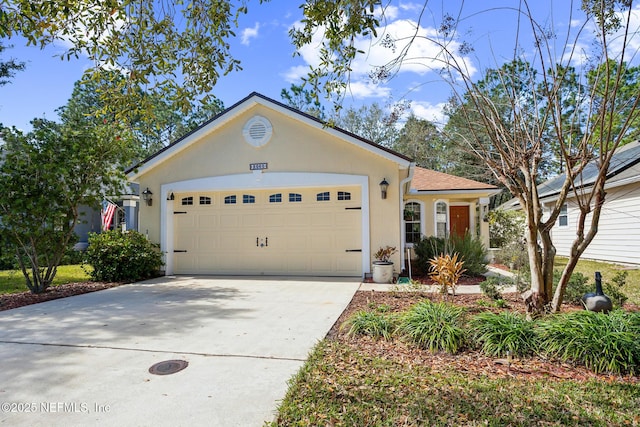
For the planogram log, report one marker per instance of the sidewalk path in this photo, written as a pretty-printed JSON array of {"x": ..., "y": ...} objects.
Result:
[{"x": 466, "y": 289}]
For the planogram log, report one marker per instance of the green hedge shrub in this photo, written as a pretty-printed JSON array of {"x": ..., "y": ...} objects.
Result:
[
  {"x": 122, "y": 257},
  {"x": 468, "y": 247}
]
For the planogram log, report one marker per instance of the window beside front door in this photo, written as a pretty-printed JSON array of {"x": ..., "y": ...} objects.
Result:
[
  {"x": 412, "y": 222},
  {"x": 442, "y": 227}
]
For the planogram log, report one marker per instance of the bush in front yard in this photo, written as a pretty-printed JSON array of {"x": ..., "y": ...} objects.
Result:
[
  {"x": 504, "y": 332},
  {"x": 469, "y": 248},
  {"x": 122, "y": 257},
  {"x": 601, "y": 342},
  {"x": 377, "y": 325},
  {"x": 435, "y": 326}
]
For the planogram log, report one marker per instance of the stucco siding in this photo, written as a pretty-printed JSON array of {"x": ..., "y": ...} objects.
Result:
[
  {"x": 618, "y": 238},
  {"x": 295, "y": 148}
]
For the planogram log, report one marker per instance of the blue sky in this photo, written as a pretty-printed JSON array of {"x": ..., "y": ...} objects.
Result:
[{"x": 264, "y": 48}]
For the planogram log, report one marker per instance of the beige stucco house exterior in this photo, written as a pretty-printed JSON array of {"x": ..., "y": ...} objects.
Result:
[{"x": 265, "y": 189}]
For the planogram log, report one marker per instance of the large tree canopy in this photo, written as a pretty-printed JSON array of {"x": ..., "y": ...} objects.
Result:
[
  {"x": 176, "y": 48},
  {"x": 561, "y": 100}
]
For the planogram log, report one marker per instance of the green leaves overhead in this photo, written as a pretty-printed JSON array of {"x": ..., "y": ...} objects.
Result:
[
  {"x": 338, "y": 23},
  {"x": 173, "y": 47}
]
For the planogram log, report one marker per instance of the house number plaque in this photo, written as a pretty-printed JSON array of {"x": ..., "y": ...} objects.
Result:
[{"x": 258, "y": 166}]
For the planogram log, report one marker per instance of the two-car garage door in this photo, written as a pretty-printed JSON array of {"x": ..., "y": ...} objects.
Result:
[{"x": 310, "y": 231}]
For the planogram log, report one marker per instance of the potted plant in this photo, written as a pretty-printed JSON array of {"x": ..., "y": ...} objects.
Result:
[{"x": 382, "y": 268}]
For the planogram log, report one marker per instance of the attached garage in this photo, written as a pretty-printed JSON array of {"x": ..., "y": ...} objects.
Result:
[
  {"x": 265, "y": 189},
  {"x": 295, "y": 231}
]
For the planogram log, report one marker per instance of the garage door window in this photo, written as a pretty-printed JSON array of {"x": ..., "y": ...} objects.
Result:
[
  {"x": 295, "y": 197},
  {"x": 205, "y": 200},
  {"x": 187, "y": 201},
  {"x": 230, "y": 200},
  {"x": 323, "y": 197},
  {"x": 246, "y": 198},
  {"x": 275, "y": 198},
  {"x": 344, "y": 195}
]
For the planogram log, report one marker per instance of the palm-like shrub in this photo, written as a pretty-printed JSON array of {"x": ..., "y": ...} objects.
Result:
[
  {"x": 435, "y": 326},
  {"x": 377, "y": 325},
  {"x": 446, "y": 271},
  {"x": 505, "y": 332},
  {"x": 601, "y": 342}
]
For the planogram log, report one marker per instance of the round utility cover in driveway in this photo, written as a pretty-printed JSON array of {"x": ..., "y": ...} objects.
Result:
[{"x": 168, "y": 367}]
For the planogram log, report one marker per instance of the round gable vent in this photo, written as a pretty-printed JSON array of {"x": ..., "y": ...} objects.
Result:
[{"x": 257, "y": 131}]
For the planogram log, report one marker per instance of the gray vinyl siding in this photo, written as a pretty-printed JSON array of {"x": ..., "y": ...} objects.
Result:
[{"x": 618, "y": 238}]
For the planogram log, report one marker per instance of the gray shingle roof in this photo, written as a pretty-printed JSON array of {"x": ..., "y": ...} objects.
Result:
[{"x": 624, "y": 158}]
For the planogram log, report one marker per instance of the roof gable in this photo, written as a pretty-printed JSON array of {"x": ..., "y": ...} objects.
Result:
[{"x": 241, "y": 107}]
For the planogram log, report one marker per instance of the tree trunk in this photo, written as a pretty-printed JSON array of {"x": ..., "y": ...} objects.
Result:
[{"x": 535, "y": 298}]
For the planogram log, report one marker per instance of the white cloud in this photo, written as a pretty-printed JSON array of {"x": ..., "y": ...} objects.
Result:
[
  {"x": 422, "y": 55},
  {"x": 295, "y": 74},
  {"x": 633, "y": 38},
  {"x": 249, "y": 33},
  {"x": 430, "y": 112},
  {"x": 366, "y": 89}
]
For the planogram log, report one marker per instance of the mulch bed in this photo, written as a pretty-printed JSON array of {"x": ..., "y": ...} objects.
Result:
[
  {"x": 472, "y": 362},
  {"x": 20, "y": 299}
]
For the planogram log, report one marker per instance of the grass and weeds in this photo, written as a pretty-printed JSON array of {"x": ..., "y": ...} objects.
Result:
[
  {"x": 343, "y": 385},
  {"x": 12, "y": 281},
  {"x": 609, "y": 271}
]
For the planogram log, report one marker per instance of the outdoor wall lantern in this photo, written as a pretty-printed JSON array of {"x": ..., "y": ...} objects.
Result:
[
  {"x": 384, "y": 186},
  {"x": 171, "y": 196},
  {"x": 146, "y": 196}
]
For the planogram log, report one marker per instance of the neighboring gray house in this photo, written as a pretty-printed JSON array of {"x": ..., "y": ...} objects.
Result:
[
  {"x": 126, "y": 217},
  {"x": 618, "y": 238}
]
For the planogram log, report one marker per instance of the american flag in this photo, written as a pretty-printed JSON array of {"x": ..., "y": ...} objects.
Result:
[{"x": 108, "y": 210}]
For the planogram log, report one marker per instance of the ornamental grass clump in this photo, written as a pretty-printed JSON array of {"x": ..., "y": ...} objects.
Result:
[
  {"x": 601, "y": 342},
  {"x": 373, "y": 324},
  {"x": 435, "y": 326},
  {"x": 503, "y": 334}
]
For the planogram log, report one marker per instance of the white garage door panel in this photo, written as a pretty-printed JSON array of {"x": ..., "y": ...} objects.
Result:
[{"x": 310, "y": 237}]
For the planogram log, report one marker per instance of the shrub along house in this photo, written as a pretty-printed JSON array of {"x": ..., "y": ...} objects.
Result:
[{"x": 262, "y": 188}]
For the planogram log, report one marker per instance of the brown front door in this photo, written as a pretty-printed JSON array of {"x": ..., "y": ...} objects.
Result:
[{"x": 459, "y": 220}]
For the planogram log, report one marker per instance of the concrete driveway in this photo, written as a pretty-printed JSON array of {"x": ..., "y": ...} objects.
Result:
[{"x": 84, "y": 360}]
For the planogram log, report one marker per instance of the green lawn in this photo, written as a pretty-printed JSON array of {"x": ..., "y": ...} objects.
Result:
[
  {"x": 12, "y": 281},
  {"x": 343, "y": 385},
  {"x": 588, "y": 268}
]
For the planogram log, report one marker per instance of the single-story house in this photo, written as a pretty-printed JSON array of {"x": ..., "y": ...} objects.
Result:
[
  {"x": 618, "y": 237},
  {"x": 263, "y": 188}
]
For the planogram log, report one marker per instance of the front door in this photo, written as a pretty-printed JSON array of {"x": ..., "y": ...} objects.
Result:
[{"x": 459, "y": 220}]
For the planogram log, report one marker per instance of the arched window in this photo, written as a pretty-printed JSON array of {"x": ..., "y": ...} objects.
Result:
[
  {"x": 442, "y": 219},
  {"x": 412, "y": 222}
]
